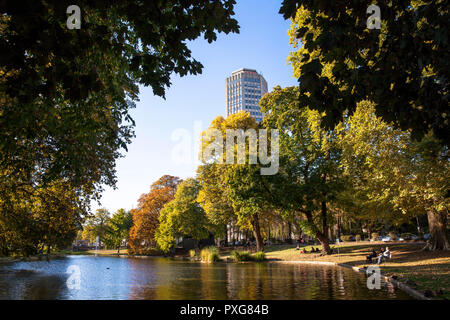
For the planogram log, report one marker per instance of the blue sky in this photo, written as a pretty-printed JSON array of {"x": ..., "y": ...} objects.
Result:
[{"x": 262, "y": 44}]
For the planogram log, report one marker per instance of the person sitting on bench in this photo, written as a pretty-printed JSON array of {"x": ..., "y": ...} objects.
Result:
[
  {"x": 371, "y": 256},
  {"x": 385, "y": 255}
]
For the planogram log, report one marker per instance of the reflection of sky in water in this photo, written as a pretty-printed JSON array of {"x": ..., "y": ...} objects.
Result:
[{"x": 158, "y": 278}]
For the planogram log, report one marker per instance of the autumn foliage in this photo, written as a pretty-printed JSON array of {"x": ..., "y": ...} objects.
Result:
[{"x": 145, "y": 216}]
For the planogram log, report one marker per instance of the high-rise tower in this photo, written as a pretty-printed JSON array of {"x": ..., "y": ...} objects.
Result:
[{"x": 243, "y": 90}]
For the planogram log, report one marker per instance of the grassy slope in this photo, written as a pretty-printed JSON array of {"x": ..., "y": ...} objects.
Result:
[{"x": 105, "y": 252}]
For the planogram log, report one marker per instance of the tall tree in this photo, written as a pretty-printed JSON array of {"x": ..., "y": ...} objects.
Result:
[
  {"x": 392, "y": 177},
  {"x": 96, "y": 225},
  {"x": 240, "y": 185},
  {"x": 146, "y": 215},
  {"x": 373, "y": 161},
  {"x": 183, "y": 216},
  {"x": 213, "y": 199},
  {"x": 32, "y": 219},
  {"x": 403, "y": 67},
  {"x": 248, "y": 191},
  {"x": 310, "y": 176},
  {"x": 118, "y": 228},
  {"x": 428, "y": 170}
]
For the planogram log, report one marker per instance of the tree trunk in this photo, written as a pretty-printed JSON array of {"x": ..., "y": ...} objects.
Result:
[
  {"x": 225, "y": 244},
  {"x": 323, "y": 236},
  {"x": 48, "y": 252},
  {"x": 437, "y": 222},
  {"x": 339, "y": 227},
  {"x": 257, "y": 233},
  {"x": 118, "y": 250},
  {"x": 323, "y": 239},
  {"x": 289, "y": 239},
  {"x": 233, "y": 234}
]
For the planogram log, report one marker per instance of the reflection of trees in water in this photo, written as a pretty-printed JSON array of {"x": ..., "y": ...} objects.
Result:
[
  {"x": 47, "y": 287},
  {"x": 305, "y": 282},
  {"x": 154, "y": 278},
  {"x": 165, "y": 279},
  {"x": 147, "y": 277},
  {"x": 28, "y": 285},
  {"x": 213, "y": 279},
  {"x": 246, "y": 281}
]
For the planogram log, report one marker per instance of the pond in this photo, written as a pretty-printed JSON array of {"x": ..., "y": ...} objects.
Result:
[{"x": 163, "y": 278}]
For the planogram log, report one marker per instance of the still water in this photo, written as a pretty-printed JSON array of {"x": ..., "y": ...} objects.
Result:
[{"x": 161, "y": 278}]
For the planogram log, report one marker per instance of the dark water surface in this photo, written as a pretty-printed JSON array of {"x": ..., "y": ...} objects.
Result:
[{"x": 160, "y": 278}]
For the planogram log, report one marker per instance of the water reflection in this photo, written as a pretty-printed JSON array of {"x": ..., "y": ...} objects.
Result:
[{"x": 158, "y": 278}]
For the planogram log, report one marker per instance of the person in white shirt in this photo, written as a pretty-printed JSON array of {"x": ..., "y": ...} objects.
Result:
[{"x": 385, "y": 255}]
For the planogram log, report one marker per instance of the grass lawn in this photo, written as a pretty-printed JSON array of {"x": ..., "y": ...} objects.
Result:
[
  {"x": 421, "y": 270},
  {"x": 105, "y": 252}
]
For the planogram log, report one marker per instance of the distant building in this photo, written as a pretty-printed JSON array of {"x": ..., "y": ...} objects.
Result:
[{"x": 243, "y": 90}]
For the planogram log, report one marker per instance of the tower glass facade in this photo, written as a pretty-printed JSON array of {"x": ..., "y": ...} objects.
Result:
[{"x": 243, "y": 90}]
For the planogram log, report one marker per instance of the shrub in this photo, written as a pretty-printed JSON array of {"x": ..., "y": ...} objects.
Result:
[
  {"x": 235, "y": 255},
  {"x": 149, "y": 251},
  {"x": 375, "y": 235},
  {"x": 393, "y": 235},
  {"x": 259, "y": 256},
  {"x": 347, "y": 238},
  {"x": 192, "y": 253},
  {"x": 241, "y": 255},
  {"x": 210, "y": 254},
  {"x": 358, "y": 237}
]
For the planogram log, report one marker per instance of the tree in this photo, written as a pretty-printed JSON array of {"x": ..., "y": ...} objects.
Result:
[
  {"x": 310, "y": 177},
  {"x": 118, "y": 228},
  {"x": 213, "y": 199},
  {"x": 65, "y": 95},
  {"x": 183, "y": 216},
  {"x": 373, "y": 159},
  {"x": 96, "y": 226},
  {"x": 34, "y": 219},
  {"x": 240, "y": 186},
  {"x": 248, "y": 191},
  {"x": 146, "y": 215},
  {"x": 428, "y": 165},
  {"x": 394, "y": 178},
  {"x": 403, "y": 67}
]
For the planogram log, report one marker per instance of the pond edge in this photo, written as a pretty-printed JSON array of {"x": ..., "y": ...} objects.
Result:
[{"x": 397, "y": 284}]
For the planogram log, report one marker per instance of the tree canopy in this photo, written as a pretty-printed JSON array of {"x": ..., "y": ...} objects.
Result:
[
  {"x": 310, "y": 176},
  {"x": 146, "y": 215},
  {"x": 65, "y": 94},
  {"x": 118, "y": 229},
  {"x": 403, "y": 67},
  {"x": 181, "y": 217},
  {"x": 241, "y": 188},
  {"x": 32, "y": 220}
]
